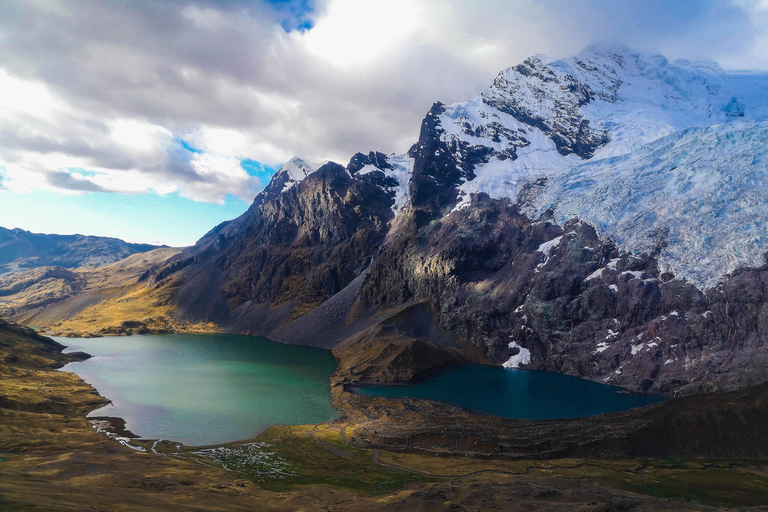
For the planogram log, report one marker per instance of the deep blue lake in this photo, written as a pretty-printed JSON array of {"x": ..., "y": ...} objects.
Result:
[{"x": 519, "y": 394}]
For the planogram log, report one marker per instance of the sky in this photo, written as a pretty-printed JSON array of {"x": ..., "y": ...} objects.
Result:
[{"x": 153, "y": 121}]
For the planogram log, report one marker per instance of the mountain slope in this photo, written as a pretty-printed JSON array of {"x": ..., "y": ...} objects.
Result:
[
  {"x": 112, "y": 298},
  {"x": 21, "y": 249}
]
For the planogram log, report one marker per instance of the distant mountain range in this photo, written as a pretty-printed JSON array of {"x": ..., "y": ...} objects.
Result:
[
  {"x": 21, "y": 250},
  {"x": 602, "y": 216}
]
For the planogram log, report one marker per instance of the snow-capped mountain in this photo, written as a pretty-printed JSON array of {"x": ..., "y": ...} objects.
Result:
[
  {"x": 468, "y": 244},
  {"x": 592, "y": 126},
  {"x": 595, "y": 124},
  {"x": 291, "y": 173}
]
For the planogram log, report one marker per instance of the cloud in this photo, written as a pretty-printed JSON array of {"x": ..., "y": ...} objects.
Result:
[
  {"x": 61, "y": 179},
  {"x": 116, "y": 87},
  {"x": 757, "y": 47}
]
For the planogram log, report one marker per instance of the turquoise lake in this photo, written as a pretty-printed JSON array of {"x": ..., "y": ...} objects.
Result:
[
  {"x": 202, "y": 389},
  {"x": 520, "y": 394}
]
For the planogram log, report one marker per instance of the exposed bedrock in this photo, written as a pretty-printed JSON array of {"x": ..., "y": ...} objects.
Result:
[
  {"x": 580, "y": 305},
  {"x": 291, "y": 251}
]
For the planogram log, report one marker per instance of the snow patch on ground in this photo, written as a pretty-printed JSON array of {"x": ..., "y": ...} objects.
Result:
[
  {"x": 548, "y": 247},
  {"x": 521, "y": 358},
  {"x": 602, "y": 347}
]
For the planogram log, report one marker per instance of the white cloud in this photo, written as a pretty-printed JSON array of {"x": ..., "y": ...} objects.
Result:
[
  {"x": 139, "y": 137},
  {"x": 757, "y": 10},
  {"x": 355, "y": 33},
  {"x": 25, "y": 97},
  {"x": 220, "y": 172}
]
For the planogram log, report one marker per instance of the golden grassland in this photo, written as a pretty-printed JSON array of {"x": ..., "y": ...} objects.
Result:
[
  {"x": 106, "y": 300},
  {"x": 52, "y": 459}
]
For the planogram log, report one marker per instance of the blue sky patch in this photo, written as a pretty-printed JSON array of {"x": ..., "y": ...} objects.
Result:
[
  {"x": 294, "y": 14},
  {"x": 187, "y": 145},
  {"x": 132, "y": 217},
  {"x": 259, "y": 170}
]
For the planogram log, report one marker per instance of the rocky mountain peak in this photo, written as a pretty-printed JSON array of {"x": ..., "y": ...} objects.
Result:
[
  {"x": 291, "y": 173},
  {"x": 370, "y": 162}
]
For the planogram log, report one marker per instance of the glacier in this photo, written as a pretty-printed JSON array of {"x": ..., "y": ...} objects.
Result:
[{"x": 698, "y": 197}]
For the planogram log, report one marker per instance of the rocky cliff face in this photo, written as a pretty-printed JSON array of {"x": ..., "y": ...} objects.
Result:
[
  {"x": 575, "y": 303},
  {"x": 296, "y": 247}
]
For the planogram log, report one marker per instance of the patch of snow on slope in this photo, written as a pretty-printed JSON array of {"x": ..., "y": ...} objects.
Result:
[
  {"x": 602, "y": 347},
  {"x": 597, "y": 274},
  {"x": 522, "y": 357},
  {"x": 401, "y": 171},
  {"x": 548, "y": 247},
  {"x": 368, "y": 169}
]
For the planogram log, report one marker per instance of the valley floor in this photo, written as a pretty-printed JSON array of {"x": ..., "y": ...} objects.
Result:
[{"x": 51, "y": 458}]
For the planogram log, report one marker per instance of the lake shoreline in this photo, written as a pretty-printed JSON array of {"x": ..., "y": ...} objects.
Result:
[
  {"x": 112, "y": 414},
  {"x": 202, "y": 390},
  {"x": 409, "y": 419}
]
